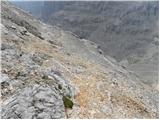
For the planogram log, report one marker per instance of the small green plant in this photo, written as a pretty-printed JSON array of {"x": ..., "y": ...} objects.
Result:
[{"x": 67, "y": 102}]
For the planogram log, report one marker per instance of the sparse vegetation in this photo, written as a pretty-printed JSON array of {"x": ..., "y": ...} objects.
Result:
[
  {"x": 72, "y": 81},
  {"x": 67, "y": 102}
]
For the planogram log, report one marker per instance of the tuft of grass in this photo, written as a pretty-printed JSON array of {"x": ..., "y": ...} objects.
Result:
[{"x": 67, "y": 102}]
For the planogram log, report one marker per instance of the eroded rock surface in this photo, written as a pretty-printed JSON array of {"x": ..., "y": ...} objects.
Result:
[{"x": 43, "y": 64}]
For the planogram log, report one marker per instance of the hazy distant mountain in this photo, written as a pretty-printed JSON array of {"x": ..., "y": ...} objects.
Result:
[
  {"x": 40, "y": 9},
  {"x": 126, "y": 26},
  {"x": 120, "y": 28},
  {"x": 127, "y": 31},
  {"x": 33, "y": 7}
]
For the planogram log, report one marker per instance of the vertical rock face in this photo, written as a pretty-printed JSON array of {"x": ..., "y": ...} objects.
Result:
[{"x": 51, "y": 73}]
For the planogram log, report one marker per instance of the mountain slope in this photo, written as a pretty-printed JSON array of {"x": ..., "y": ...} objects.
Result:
[
  {"x": 44, "y": 66},
  {"x": 126, "y": 26},
  {"x": 124, "y": 30}
]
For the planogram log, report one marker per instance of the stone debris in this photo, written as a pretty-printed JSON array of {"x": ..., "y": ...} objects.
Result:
[
  {"x": 13, "y": 27},
  {"x": 39, "y": 81}
]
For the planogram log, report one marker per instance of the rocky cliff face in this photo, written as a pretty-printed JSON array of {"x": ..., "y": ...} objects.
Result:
[{"x": 51, "y": 73}]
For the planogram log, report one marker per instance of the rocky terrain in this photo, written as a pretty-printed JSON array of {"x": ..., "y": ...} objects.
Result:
[
  {"x": 127, "y": 31},
  {"x": 51, "y": 73}
]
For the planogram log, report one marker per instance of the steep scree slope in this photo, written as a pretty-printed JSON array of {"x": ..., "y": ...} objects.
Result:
[
  {"x": 43, "y": 64},
  {"x": 125, "y": 30}
]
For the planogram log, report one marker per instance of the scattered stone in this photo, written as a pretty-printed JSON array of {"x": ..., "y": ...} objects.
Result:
[
  {"x": 68, "y": 54},
  {"x": 4, "y": 84},
  {"x": 24, "y": 32},
  {"x": 5, "y": 31},
  {"x": 44, "y": 77},
  {"x": 100, "y": 51},
  {"x": 80, "y": 69},
  {"x": 13, "y": 27},
  {"x": 5, "y": 46},
  {"x": 59, "y": 87}
]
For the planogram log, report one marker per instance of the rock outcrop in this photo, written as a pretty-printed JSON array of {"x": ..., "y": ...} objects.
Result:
[{"x": 51, "y": 73}]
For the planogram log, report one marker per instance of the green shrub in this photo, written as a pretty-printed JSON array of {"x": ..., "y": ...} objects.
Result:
[{"x": 67, "y": 102}]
